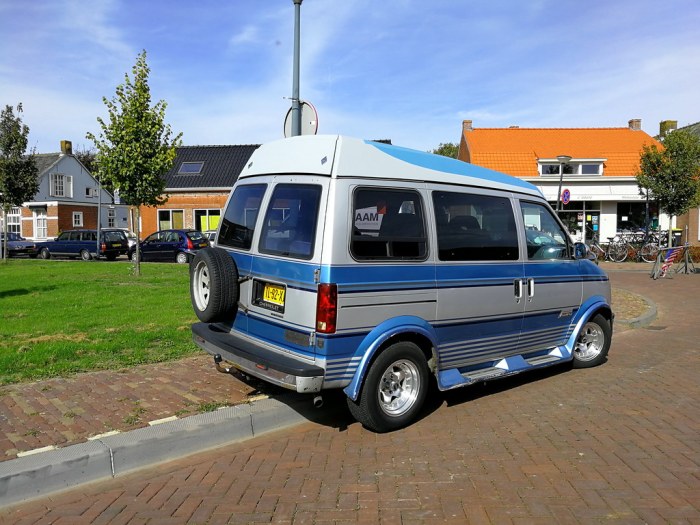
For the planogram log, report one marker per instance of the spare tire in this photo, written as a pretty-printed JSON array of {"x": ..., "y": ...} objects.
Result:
[{"x": 214, "y": 286}]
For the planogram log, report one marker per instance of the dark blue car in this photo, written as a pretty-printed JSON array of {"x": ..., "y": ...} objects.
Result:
[
  {"x": 83, "y": 244},
  {"x": 170, "y": 245},
  {"x": 17, "y": 245}
]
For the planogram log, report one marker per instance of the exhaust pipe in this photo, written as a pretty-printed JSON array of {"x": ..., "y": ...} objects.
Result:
[{"x": 318, "y": 401}]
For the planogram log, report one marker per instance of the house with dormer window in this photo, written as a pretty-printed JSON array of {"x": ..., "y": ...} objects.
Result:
[
  {"x": 69, "y": 197},
  {"x": 586, "y": 173},
  {"x": 196, "y": 187}
]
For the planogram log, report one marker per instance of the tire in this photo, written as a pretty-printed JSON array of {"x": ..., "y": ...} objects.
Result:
[
  {"x": 214, "y": 286},
  {"x": 593, "y": 342},
  {"x": 85, "y": 255},
  {"x": 618, "y": 253},
  {"x": 133, "y": 257},
  {"x": 181, "y": 258},
  {"x": 649, "y": 252},
  {"x": 394, "y": 389},
  {"x": 44, "y": 253}
]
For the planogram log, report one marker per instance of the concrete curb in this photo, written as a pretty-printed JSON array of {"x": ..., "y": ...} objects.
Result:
[
  {"x": 643, "y": 320},
  {"x": 43, "y": 473}
]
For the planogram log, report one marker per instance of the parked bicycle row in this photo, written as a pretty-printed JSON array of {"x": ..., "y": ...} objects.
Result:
[{"x": 633, "y": 245}]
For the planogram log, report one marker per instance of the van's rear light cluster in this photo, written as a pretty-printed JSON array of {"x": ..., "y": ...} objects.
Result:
[{"x": 326, "y": 308}]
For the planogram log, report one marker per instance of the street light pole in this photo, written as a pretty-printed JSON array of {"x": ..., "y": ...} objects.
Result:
[
  {"x": 562, "y": 159},
  {"x": 296, "y": 108}
]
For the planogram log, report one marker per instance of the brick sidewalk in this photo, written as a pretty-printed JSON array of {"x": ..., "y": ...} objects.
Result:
[{"x": 618, "y": 443}]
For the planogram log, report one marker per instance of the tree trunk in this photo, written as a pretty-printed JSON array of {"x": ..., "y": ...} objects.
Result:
[
  {"x": 137, "y": 267},
  {"x": 4, "y": 235}
]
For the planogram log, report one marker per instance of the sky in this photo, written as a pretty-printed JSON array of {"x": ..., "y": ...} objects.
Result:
[{"x": 406, "y": 70}]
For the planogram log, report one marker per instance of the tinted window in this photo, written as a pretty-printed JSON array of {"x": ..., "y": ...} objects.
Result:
[
  {"x": 545, "y": 238},
  {"x": 387, "y": 224},
  {"x": 475, "y": 227},
  {"x": 289, "y": 227},
  {"x": 196, "y": 236},
  {"x": 238, "y": 224}
]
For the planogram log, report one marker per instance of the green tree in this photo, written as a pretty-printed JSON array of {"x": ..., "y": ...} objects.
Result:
[
  {"x": 671, "y": 174},
  {"x": 448, "y": 149},
  {"x": 18, "y": 171},
  {"x": 136, "y": 148}
]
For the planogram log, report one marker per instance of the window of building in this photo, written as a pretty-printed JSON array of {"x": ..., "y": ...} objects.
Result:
[
  {"x": 14, "y": 220},
  {"x": 40, "y": 224},
  {"x": 77, "y": 219},
  {"x": 111, "y": 218},
  {"x": 171, "y": 219},
  {"x": 61, "y": 185},
  {"x": 205, "y": 220},
  {"x": 190, "y": 168},
  {"x": 388, "y": 224},
  {"x": 632, "y": 215},
  {"x": 587, "y": 167}
]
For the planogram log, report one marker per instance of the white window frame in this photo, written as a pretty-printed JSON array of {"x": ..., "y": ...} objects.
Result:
[
  {"x": 111, "y": 217},
  {"x": 170, "y": 225},
  {"x": 77, "y": 219},
  {"x": 14, "y": 220},
  {"x": 61, "y": 185},
  {"x": 576, "y": 166},
  {"x": 40, "y": 224}
]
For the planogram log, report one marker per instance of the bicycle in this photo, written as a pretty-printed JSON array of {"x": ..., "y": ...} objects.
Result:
[
  {"x": 643, "y": 245},
  {"x": 607, "y": 253}
]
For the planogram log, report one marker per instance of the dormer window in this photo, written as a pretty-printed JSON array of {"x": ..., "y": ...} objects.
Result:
[
  {"x": 191, "y": 168},
  {"x": 576, "y": 167}
]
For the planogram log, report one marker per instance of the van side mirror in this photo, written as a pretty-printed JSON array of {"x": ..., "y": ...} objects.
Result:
[{"x": 581, "y": 251}]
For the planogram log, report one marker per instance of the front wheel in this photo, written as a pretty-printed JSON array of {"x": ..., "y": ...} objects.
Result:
[
  {"x": 617, "y": 252},
  {"x": 394, "y": 390},
  {"x": 85, "y": 255},
  {"x": 649, "y": 252},
  {"x": 593, "y": 342},
  {"x": 44, "y": 254}
]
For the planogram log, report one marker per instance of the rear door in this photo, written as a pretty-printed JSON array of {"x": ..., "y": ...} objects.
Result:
[
  {"x": 151, "y": 247},
  {"x": 553, "y": 285}
]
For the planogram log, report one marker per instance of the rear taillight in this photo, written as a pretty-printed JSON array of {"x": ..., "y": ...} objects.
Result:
[
  {"x": 103, "y": 247},
  {"x": 190, "y": 246},
  {"x": 326, "y": 308}
]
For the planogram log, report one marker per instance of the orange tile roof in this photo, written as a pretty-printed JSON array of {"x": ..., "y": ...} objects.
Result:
[{"x": 515, "y": 151}]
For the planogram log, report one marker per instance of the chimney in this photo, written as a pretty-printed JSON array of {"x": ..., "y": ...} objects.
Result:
[
  {"x": 66, "y": 147},
  {"x": 467, "y": 125},
  {"x": 635, "y": 124},
  {"x": 665, "y": 126}
]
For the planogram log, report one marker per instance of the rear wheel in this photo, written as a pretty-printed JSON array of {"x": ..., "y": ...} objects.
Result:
[
  {"x": 181, "y": 258},
  {"x": 617, "y": 252},
  {"x": 214, "y": 285},
  {"x": 394, "y": 390},
  {"x": 593, "y": 342}
]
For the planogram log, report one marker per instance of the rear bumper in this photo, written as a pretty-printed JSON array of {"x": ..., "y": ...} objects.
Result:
[{"x": 257, "y": 359}]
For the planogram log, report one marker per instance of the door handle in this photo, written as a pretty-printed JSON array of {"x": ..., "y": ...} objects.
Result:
[
  {"x": 530, "y": 288},
  {"x": 518, "y": 285}
]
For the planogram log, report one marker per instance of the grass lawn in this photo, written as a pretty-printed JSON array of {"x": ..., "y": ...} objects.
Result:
[{"x": 58, "y": 317}]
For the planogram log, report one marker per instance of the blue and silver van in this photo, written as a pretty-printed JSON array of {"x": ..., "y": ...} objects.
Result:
[{"x": 356, "y": 265}]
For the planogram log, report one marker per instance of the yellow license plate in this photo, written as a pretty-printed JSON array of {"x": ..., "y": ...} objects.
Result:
[{"x": 274, "y": 294}]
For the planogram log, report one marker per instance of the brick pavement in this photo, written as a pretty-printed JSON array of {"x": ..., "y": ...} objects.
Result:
[{"x": 618, "y": 443}]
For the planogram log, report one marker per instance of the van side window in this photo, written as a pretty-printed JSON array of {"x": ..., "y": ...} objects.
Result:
[
  {"x": 238, "y": 224},
  {"x": 387, "y": 224},
  {"x": 289, "y": 227},
  {"x": 545, "y": 238},
  {"x": 474, "y": 227}
]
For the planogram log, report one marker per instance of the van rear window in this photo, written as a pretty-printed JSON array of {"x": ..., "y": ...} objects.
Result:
[
  {"x": 289, "y": 228},
  {"x": 238, "y": 224}
]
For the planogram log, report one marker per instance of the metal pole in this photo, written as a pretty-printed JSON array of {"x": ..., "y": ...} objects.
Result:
[
  {"x": 561, "y": 176},
  {"x": 99, "y": 213},
  {"x": 296, "y": 110}
]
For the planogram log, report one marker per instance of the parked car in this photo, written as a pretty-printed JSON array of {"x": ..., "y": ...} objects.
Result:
[
  {"x": 170, "y": 245},
  {"x": 17, "y": 245},
  {"x": 211, "y": 235},
  {"x": 83, "y": 244}
]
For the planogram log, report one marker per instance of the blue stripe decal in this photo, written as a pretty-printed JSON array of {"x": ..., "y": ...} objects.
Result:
[{"x": 449, "y": 165}]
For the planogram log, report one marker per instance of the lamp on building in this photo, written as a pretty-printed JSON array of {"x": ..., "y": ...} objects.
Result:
[{"x": 562, "y": 159}]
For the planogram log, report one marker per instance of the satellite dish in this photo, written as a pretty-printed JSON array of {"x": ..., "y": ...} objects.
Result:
[{"x": 309, "y": 120}]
